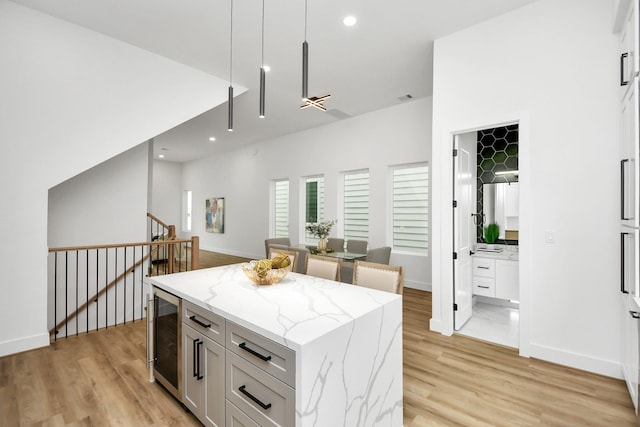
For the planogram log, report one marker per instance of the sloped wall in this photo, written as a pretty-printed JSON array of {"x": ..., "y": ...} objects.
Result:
[{"x": 71, "y": 98}]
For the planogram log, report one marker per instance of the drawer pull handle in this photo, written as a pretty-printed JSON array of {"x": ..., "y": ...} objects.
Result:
[
  {"x": 483, "y": 267},
  {"x": 196, "y": 359},
  {"x": 199, "y": 322},
  {"x": 255, "y": 353},
  {"x": 198, "y": 345},
  {"x": 635, "y": 314},
  {"x": 483, "y": 287},
  {"x": 252, "y": 397}
]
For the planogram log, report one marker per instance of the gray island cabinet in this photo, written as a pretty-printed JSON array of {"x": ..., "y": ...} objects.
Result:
[{"x": 302, "y": 352}]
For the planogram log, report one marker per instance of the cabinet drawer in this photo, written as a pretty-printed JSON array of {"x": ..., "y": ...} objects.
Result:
[
  {"x": 484, "y": 267},
  {"x": 202, "y": 320},
  {"x": 484, "y": 286},
  {"x": 280, "y": 360},
  {"x": 237, "y": 418},
  {"x": 265, "y": 399}
]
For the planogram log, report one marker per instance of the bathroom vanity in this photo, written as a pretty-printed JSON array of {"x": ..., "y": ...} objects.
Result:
[
  {"x": 302, "y": 352},
  {"x": 495, "y": 274}
]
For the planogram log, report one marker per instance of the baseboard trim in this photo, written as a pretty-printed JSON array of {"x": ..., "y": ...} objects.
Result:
[
  {"x": 413, "y": 284},
  {"x": 575, "y": 360},
  {"x": 24, "y": 344}
]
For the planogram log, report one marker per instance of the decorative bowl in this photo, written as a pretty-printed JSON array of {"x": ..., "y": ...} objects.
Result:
[{"x": 273, "y": 276}]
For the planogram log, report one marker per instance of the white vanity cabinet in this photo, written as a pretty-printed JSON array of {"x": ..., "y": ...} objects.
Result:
[
  {"x": 495, "y": 277},
  {"x": 507, "y": 282},
  {"x": 203, "y": 364}
]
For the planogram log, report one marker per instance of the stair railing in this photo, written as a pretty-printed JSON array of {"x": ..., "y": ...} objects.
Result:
[{"x": 94, "y": 287}]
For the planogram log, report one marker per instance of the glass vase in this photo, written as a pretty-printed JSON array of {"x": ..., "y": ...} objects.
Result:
[{"x": 322, "y": 244}]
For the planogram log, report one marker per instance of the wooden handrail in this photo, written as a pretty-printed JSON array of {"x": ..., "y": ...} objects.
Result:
[
  {"x": 195, "y": 263},
  {"x": 156, "y": 219},
  {"x": 120, "y": 245},
  {"x": 102, "y": 291}
]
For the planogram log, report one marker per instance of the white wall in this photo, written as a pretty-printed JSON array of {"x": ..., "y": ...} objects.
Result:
[
  {"x": 377, "y": 140},
  {"x": 103, "y": 205},
  {"x": 552, "y": 66},
  {"x": 166, "y": 202},
  {"x": 71, "y": 98}
]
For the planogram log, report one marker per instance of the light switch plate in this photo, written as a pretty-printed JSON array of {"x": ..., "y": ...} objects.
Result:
[{"x": 549, "y": 236}]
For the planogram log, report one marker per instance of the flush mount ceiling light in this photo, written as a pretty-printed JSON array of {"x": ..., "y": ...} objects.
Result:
[
  {"x": 262, "y": 70},
  {"x": 230, "y": 102},
  {"x": 161, "y": 156},
  {"x": 313, "y": 101}
]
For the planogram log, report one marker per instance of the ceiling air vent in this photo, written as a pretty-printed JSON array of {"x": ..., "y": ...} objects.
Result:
[{"x": 406, "y": 97}]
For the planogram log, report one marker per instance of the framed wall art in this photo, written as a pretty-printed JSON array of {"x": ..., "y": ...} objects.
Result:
[{"x": 214, "y": 211}]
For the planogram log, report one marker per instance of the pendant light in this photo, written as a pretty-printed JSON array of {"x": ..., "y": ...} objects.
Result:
[
  {"x": 262, "y": 70},
  {"x": 230, "y": 103},
  {"x": 305, "y": 59},
  {"x": 314, "y": 101}
]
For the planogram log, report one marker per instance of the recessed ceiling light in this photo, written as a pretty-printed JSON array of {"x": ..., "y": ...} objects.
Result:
[
  {"x": 266, "y": 68},
  {"x": 212, "y": 139},
  {"x": 349, "y": 21},
  {"x": 161, "y": 156}
]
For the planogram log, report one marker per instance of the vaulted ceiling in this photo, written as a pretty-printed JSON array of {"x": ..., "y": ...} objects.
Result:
[{"x": 374, "y": 64}]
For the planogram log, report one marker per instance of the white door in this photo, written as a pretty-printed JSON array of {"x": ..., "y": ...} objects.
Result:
[{"x": 464, "y": 228}]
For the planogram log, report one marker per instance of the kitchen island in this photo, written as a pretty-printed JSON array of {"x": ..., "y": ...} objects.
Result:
[{"x": 327, "y": 353}]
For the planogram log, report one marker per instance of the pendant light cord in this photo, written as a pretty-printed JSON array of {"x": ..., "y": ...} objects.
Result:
[
  {"x": 262, "y": 60},
  {"x": 305, "y": 20},
  {"x": 231, "y": 46}
]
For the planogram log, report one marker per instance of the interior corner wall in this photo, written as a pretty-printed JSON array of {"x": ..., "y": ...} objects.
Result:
[
  {"x": 167, "y": 193},
  {"x": 103, "y": 205},
  {"x": 71, "y": 99},
  {"x": 374, "y": 141},
  {"x": 555, "y": 64}
]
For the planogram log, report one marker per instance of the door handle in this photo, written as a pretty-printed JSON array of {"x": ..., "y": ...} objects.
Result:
[
  {"x": 199, "y": 377},
  {"x": 623, "y": 56},
  {"x": 196, "y": 362},
  {"x": 623, "y": 214},
  {"x": 623, "y": 267}
]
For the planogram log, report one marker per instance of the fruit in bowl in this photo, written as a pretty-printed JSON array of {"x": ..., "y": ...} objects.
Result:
[{"x": 267, "y": 271}]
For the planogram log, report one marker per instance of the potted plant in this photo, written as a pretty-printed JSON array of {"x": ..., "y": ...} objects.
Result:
[
  {"x": 491, "y": 233},
  {"x": 321, "y": 230}
]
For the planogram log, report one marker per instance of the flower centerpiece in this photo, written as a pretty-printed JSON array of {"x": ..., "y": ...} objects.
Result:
[{"x": 321, "y": 230}]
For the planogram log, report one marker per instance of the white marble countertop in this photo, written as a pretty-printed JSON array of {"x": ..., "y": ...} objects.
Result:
[
  {"x": 507, "y": 254},
  {"x": 293, "y": 312}
]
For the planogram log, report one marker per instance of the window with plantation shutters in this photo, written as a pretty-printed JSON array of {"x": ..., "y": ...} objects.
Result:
[
  {"x": 411, "y": 209},
  {"x": 314, "y": 204},
  {"x": 356, "y": 205},
  {"x": 281, "y": 209}
]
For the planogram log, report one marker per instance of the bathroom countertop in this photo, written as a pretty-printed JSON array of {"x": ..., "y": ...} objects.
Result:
[{"x": 507, "y": 254}]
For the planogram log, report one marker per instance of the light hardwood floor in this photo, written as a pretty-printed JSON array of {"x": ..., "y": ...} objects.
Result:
[{"x": 100, "y": 379}]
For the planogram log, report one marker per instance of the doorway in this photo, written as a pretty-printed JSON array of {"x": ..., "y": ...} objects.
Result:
[{"x": 486, "y": 203}]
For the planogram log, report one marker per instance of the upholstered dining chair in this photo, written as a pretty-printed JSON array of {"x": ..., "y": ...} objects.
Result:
[
  {"x": 336, "y": 244},
  {"x": 379, "y": 255},
  {"x": 357, "y": 246},
  {"x": 293, "y": 256},
  {"x": 303, "y": 253},
  {"x": 378, "y": 276},
  {"x": 275, "y": 241},
  {"x": 324, "y": 267}
]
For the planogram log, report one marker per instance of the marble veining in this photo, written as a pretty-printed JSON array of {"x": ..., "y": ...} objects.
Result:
[{"x": 347, "y": 339}]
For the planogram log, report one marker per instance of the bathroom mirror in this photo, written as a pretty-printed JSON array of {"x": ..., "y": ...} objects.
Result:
[{"x": 500, "y": 205}]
